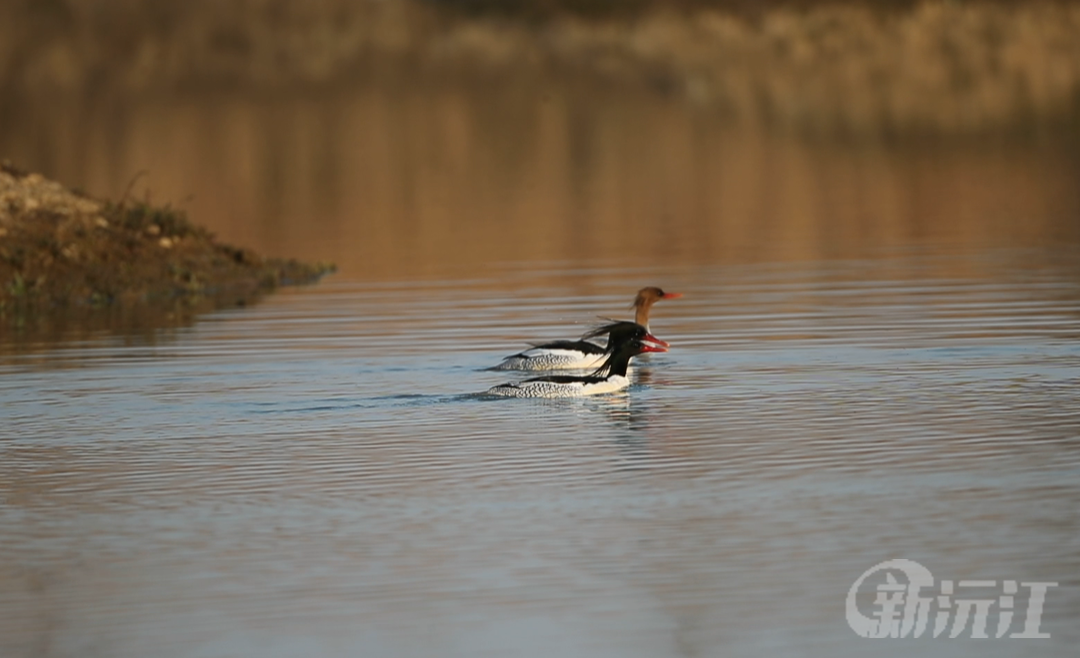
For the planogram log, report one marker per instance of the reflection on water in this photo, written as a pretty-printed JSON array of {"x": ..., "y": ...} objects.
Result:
[
  {"x": 401, "y": 182},
  {"x": 876, "y": 357}
]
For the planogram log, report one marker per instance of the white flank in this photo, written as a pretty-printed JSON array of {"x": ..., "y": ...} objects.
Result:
[
  {"x": 559, "y": 390},
  {"x": 546, "y": 359}
]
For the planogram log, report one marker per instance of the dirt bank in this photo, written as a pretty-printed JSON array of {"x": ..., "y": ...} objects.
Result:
[{"x": 62, "y": 251}]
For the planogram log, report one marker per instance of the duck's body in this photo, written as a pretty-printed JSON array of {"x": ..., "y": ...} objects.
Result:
[
  {"x": 557, "y": 355},
  {"x": 585, "y": 353},
  {"x": 561, "y": 386},
  {"x": 626, "y": 340}
]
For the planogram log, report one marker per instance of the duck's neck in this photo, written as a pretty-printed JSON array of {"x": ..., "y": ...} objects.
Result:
[
  {"x": 616, "y": 364},
  {"x": 641, "y": 314}
]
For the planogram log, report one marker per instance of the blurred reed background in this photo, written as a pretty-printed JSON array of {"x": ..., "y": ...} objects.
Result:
[
  {"x": 812, "y": 65},
  {"x": 401, "y": 136}
]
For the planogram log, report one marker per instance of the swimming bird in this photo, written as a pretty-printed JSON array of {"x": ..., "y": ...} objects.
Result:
[
  {"x": 626, "y": 341},
  {"x": 584, "y": 353}
]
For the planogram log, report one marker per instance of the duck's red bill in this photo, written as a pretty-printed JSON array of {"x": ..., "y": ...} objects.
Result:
[
  {"x": 671, "y": 295},
  {"x": 646, "y": 347},
  {"x": 653, "y": 339}
]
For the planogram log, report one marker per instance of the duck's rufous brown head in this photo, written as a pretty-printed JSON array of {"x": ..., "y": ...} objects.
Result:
[{"x": 646, "y": 297}]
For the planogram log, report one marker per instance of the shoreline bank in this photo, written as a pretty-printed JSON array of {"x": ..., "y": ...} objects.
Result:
[{"x": 62, "y": 251}]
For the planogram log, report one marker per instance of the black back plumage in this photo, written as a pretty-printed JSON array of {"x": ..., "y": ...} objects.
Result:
[{"x": 585, "y": 345}]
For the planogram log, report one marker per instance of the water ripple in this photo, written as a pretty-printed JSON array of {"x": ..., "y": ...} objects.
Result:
[{"x": 329, "y": 454}]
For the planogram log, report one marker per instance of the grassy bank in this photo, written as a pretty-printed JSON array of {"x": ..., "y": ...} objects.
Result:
[
  {"x": 60, "y": 250},
  {"x": 803, "y": 65}
]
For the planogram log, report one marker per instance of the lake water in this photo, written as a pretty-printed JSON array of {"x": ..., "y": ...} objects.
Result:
[{"x": 876, "y": 357}]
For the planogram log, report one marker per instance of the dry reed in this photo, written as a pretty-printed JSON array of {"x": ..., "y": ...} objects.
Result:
[{"x": 941, "y": 67}]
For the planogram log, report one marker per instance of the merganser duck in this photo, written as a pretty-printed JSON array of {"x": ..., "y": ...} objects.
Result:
[
  {"x": 627, "y": 341},
  {"x": 570, "y": 354},
  {"x": 584, "y": 353}
]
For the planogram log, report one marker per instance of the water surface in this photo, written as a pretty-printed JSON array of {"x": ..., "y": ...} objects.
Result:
[
  {"x": 312, "y": 475},
  {"x": 876, "y": 357}
]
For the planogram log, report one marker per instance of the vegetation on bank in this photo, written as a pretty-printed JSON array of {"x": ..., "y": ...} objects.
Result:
[
  {"x": 63, "y": 250},
  {"x": 806, "y": 65},
  {"x": 540, "y": 11}
]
